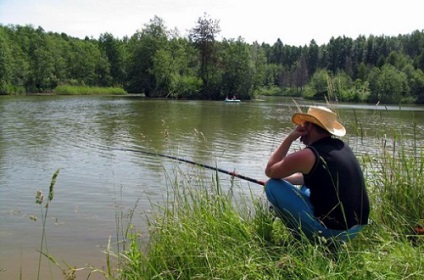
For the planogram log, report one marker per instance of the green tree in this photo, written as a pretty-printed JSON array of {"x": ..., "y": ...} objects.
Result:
[
  {"x": 317, "y": 87},
  {"x": 413, "y": 43},
  {"x": 203, "y": 36},
  {"x": 291, "y": 56},
  {"x": 5, "y": 63},
  {"x": 312, "y": 56},
  {"x": 238, "y": 71},
  {"x": 342, "y": 87},
  {"x": 163, "y": 70},
  {"x": 357, "y": 54},
  {"x": 161, "y": 63},
  {"x": 398, "y": 60},
  {"x": 338, "y": 53},
  {"x": 387, "y": 85},
  {"x": 362, "y": 72},
  {"x": 172, "y": 70},
  {"x": 272, "y": 73},
  {"x": 259, "y": 65},
  {"x": 42, "y": 76},
  {"x": 87, "y": 65},
  {"x": 377, "y": 50},
  {"x": 419, "y": 61},
  {"x": 19, "y": 38},
  {"x": 276, "y": 53},
  {"x": 416, "y": 83},
  {"x": 300, "y": 73},
  {"x": 142, "y": 48},
  {"x": 60, "y": 52},
  {"x": 114, "y": 51}
]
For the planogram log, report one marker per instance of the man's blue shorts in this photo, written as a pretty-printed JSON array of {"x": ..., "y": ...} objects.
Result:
[{"x": 295, "y": 209}]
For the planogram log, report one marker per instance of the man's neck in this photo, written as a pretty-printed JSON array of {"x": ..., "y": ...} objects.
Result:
[{"x": 320, "y": 136}]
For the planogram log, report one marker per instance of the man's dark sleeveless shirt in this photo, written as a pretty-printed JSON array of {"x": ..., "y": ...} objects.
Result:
[{"x": 340, "y": 201}]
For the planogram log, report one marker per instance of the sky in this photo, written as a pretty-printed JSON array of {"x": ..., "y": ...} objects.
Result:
[{"x": 294, "y": 22}]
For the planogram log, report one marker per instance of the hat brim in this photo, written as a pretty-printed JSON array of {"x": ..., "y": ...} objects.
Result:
[{"x": 337, "y": 129}]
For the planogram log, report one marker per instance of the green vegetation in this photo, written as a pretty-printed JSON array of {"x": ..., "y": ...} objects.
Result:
[
  {"x": 84, "y": 90},
  {"x": 205, "y": 232},
  {"x": 160, "y": 63},
  {"x": 39, "y": 199}
]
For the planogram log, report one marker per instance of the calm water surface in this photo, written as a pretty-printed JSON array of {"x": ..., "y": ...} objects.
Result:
[{"x": 86, "y": 138}]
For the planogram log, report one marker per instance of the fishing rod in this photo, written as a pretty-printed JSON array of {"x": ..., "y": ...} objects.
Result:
[{"x": 231, "y": 173}]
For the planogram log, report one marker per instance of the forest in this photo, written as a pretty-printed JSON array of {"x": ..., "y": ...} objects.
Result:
[{"x": 158, "y": 62}]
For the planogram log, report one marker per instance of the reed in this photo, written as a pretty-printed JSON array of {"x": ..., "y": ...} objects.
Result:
[
  {"x": 39, "y": 199},
  {"x": 86, "y": 90},
  {"x": 396, "y": 175},
  {"x": 204, "y": 231}
]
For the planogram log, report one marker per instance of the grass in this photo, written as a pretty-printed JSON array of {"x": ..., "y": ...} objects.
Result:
[
  {"x": 204, "y": 230},
  {"x": 86, "y": 90},
  {"x": 39, "y": 199}
]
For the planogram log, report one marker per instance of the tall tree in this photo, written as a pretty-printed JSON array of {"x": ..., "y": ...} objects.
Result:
[
  {"x": 259, "y": 65},
  {"x": 238, "y": 69},
  {"x": 175, "y": 68},
  {"x": 357, "y": 55},
  {"x": 19, "y": 38},
  {"x": 318, "y": 85},
  {"x": 300, "y": 73},
  {"x": 5, "y": 63},
  {"x": 276, "y": 55},
  {"x": 142, "y": 48},
  {"x": 387, "y": 84},
  {"x": 338, "y": 53},
  {"x": 88, "y": 66},
  {"x": 203, "y": 36},
  {"x": 42, "y": 75},
  {"x": 419, "y": 60},
  {"x": 114, "y": 52},
  {"x": 312, "y": 57},
  {"x": 414, "y": 43},
  {"x": 417, "y": 86}
]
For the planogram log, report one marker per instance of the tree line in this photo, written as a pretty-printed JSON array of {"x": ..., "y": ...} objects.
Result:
[{"x": 159, "y": 62}]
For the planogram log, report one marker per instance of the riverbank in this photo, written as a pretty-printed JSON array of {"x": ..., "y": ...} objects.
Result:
[{"x": 203, "y": 231}]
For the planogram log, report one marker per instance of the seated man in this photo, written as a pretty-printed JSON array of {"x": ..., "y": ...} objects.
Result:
[{"x": 333, "y": 201}]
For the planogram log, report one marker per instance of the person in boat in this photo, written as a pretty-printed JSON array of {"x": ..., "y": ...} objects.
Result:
[{"x": 318, "y": 191}]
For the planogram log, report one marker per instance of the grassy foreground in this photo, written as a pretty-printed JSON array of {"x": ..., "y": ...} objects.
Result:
[{"x": 205, "y": 232}]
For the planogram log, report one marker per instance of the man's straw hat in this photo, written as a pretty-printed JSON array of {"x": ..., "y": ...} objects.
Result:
[{"x": 321, "y": 116}]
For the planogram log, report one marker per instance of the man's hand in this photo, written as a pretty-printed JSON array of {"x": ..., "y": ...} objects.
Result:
[{"x": 299, "y": 131}]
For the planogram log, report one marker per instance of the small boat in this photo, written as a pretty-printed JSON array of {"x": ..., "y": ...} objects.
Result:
[{"x": 231, "y": 100}]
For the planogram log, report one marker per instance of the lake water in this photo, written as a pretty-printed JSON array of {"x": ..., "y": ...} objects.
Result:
[{"x": 89, "y": 139}]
